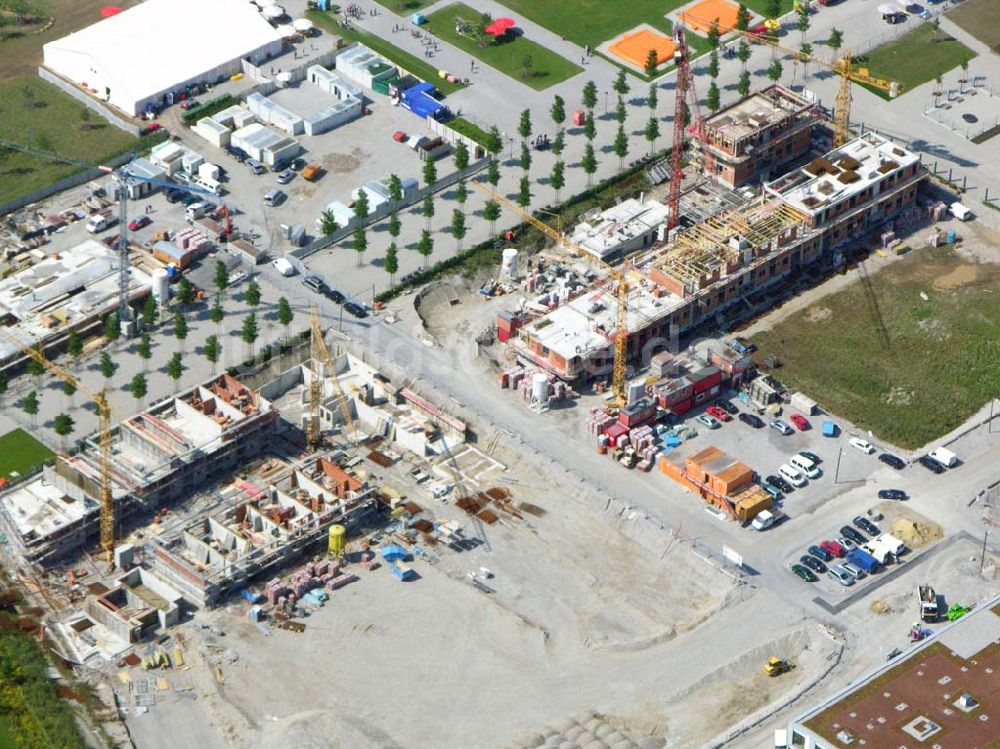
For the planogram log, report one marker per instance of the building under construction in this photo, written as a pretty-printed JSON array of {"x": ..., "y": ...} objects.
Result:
[{"x": 158, "y": 457}]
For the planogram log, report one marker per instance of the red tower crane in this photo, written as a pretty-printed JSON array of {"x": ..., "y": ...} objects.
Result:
[{"x": 685, "y": 88}]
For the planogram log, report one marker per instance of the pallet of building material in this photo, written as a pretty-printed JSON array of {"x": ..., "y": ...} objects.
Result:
[
  {"x": 341, "y": 581},
  {"x": 380, "y": 459},
  {"x": 487, "y": 516},
  {"x": 470, "y": 505},
  {"x": 532, "y": 509}
]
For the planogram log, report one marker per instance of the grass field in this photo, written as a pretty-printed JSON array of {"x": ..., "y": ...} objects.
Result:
[
  {"x": 547, "y": 67},
  {"x": 917, "y": 57},
  {"x": 420, "y": 68},
  {"x": 404, "y": 7},
  {"x": 21, "y": 452},
  {"x": 979, "y": 18},
  {"x": 943, "y": 357},
  {"x": 36, "y": 112}
]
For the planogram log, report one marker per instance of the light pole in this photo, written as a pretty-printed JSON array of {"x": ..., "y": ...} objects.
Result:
[
  {"x": 982, "y": 557},
  {"x": 605, "y": 102}
]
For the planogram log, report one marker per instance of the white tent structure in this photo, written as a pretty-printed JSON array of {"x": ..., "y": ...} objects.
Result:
[{"x": 152, "y": 51}]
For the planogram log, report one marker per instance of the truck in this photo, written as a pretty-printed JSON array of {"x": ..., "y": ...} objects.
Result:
[
  {"x": 927, "y": 603},
  {"x": 885, "y": 548},
  {"x": 862, "y": 559},
  {"x": 944, "y": 456},
  {"x": 960, "y": 211},
  {"x": 767, "y": 518},
  {"x": 100, "y": 221}
]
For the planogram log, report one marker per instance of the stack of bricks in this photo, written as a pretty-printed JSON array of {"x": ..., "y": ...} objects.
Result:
[
  {"x": 341, "y": 580},
  {"x": 599, "y": 421},
  {"x": 511, "y": 378}
]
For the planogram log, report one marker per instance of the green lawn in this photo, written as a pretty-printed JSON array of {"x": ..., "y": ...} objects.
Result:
[
  {"x": 420, "y": 68},
  {"x": 469, "y": 130},
  {"x": 547, "y": 68},
  {"x": 37, "y": 113},
  {"x": 916, "y": 57},
  {"x": 942, "y": 362},
  {"x": 405, "y": 7},
  {"x": 21, "y": 452}
]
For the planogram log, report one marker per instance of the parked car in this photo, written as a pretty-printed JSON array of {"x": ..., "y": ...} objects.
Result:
[
  {"x": 810, "y": 456},
  {"x": 355, "y": 309},
  {"x": 709, "y": 421},
  {"x": 750, "y": 420},
  {"x": 820, "y": 553},
  {"x": 892, "y": 461},
  {"x": 847, "y": 543},
  {"x": 892, "y": 494},
  {"x": 934, "y": 466},
  {"x": 728, "y": 407},
  {"x": 866, "y": 525},
  {"x": 175, "y": 196},
  {"x": 237, "y": 153},
  {"x": 255, "y": 166},
  {"x": 139, "y": 222},
  {"x": 780, "y": 483},
  {"x": 781, "y": 427},
  {"x": 189, "y": 199},
  {"x": 297, "y": 165},
  {"x": 808, "y": 467},
  {"x": 834, "y": 548},
  {"x": 285, "y": 177},
  {"x": 801, "y": 422},
  {"x": 333, "y": 295},
  {"x": 842, "y": 576},
  {"x": 793, "y": 475},
  {"x": 854, "y": 535},
  {"x": 856, "y": 572},
  {"x": 804, "y": 573},
  {"x": 314, "y": 283},
  {"x": 863, "y": 445},
  {"x": 774, "y": 491},
  {"x": 813, "y": 563},
  {"x": 717, "y": 413}
]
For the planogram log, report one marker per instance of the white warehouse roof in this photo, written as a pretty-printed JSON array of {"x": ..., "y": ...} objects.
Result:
[{"x": 158, "y": 46}]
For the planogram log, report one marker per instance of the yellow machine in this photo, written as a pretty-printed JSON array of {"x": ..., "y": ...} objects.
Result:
[
  {"x": 775, "y": 666},
  {"x": 320, "y": 356}
]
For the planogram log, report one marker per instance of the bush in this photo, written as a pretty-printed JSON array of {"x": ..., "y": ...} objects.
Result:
[{"x": 207, "y": 109}]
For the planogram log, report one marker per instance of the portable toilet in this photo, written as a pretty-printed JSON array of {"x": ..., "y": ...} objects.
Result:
[{"x": 418, "y": 19}]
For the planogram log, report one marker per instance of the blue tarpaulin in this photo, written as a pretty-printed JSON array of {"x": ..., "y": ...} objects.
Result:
[
  {"x": 394, "y": 553},
  {"x": 418, "y": 100}
]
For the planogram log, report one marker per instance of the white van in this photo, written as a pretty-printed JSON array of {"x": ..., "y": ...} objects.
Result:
[
  {"x": 960, "y": 211},
  {"x": 207, "y": 183},
  {"x": 97, "y": 224},
  {"x": 273, "y": 198},
  {"x": 944, "y": 456},
  {"x": 808, "y": 467},
  {"x": 792, "y": 476},
  {"x": 196, "y": 210},
  {"x": 284, "y": 267}
]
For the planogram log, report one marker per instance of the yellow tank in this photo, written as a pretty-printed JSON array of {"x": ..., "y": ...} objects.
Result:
[{"x": 338, "y": 537}]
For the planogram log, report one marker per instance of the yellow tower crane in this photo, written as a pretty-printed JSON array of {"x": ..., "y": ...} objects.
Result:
[
  {"x": 620, "y": 367},
  {"x": 320, "y": 355},
  {"x": 103, "y": 408}
]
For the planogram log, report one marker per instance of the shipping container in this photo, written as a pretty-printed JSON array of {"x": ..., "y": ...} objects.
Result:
[{"x": 747, "y": 509}]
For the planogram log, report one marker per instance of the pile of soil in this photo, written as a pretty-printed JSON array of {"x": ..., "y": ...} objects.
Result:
[{"x": 916, "y": 534}]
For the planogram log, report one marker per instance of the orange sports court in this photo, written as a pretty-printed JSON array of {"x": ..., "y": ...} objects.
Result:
[
  {"x": 699, "y": 16},
  {"x": 634, "y": 47}
]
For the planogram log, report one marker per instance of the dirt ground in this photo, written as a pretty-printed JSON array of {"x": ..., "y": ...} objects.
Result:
[{"x": 978, "y": 17}]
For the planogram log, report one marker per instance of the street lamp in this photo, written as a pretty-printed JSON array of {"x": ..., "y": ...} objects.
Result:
[{"x": 605, "y": 102}]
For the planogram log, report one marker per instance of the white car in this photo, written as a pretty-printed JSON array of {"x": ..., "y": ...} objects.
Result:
[
  {"x": 847, "y": 544},
  {"x": 710, "y": 421},
  {"x": 792, "y": 476},
  {"x": 863, "y": 445},
  {"x": 781, "y": 426}
]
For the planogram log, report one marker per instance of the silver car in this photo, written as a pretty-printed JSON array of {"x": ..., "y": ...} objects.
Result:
[
  {"x": 781, "y": 426},
  {"x": 841, "y": 575},
  {"x": 285, "y": 177}
]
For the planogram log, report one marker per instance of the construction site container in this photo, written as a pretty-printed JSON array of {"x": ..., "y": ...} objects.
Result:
[
  {"x": 705, "y": 379},
  {"x": 637, "y": 414},
  {"x": 805, "y": 404},
  {"x": 337, "y": 540},
  {"x": 747, "y": 508}
]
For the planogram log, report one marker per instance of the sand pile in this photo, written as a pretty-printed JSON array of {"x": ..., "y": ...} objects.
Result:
[
  {"x": 880, "y": 607},
  {"x": 916, "y": 534}
]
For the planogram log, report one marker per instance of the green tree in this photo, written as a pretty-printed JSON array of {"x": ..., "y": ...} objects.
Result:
[
  {"x": 805, "y": 52},
  {"x": 713, "y": 63},
  {"x": 29, "y": 404},
  {"x": 175, "y": 368},
  {"x": 558, "y": 110},
  {"x": 802, "y": 22},
  {"x": 494, "y": 141},
  {"x": 221, "y": 276},
  {"x": 652, "y": 60},
  {"x": 361, "y": 207},
  {"x": 493, "y": 172},
  {"x": 652, "y": 132},
  {"x": 328, "y": 223},
  {"x": 427, "y": 209},
  {"x": 589, "y": 95},
  {"x": 742, "y": 18},
  {"x": 743, "y": 87},
  {"x": 394, "y": 225},
  {"x": 425, "y": 246},
  {"x": 144, "y": 348},
  {"x": 712, "y": 97},
  {"x": 524, "y": 125},
  {"x": 180, "y": 329},
  {"x": 461, "y": 156},
  {"x": 524, "y": 192},
  {"x": 63, "y": 425},
  {"x": 112, "y": 327},
  {"x": 252, "y": 294},
  {"x": 713, "y": 35},
  {"x": 139, "y": 387},
  {"x": 743, "y": 54},
  {"x": 149, "y": 312},
  {"x": 74, "y": 344},
  {"x": 527, "y": 63},
  {"x": 185, "y": 292},
  {"x": 69, "y": 390},
  {"x": 525, "y": 158},
  {"x": 491, "y": 212},
  {"x": 213, "y": 350},
  {"x": 774, "y": 9},
  {"x": 559, "y": 142},
  {"x": 835, "y": 42},
  {"x": 395, "y": 185},
  {"x": 458, "y": 228},
  {"x": 430, "y": 172},
  {"x": 461, "y": 192},
  {"x": 108, "y": 367},
  {"x": 359, "y": 243},
  {"x": 652, "y": 99},
  {"x": 589, "y": 163},
  {"x": 620, "y": 112},
  {"x": 34, "y": 367},
  {"x": 285, "y": 314},
  {"x": 391, "y": 264},
  {"x": 250, "y": 331},
  {"x": 620, "y": 85},
  {"x": 557, "y": 177},
  {"x": 620, "y": 146},
  {"x": 218, "y": 312},
  {"x": 589, "y": 128},
  {"x": 774, "y": 71}
]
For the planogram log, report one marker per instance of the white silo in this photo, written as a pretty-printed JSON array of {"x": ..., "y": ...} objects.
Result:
[
  {"x": 161, "y": 286},
  {"x": 508, "y": 265},
  {"x": 540, "y": 388}
]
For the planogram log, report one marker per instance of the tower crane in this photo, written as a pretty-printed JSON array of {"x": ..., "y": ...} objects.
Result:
[
  {"x": 684, "y": 89},
  {"x": 320, "y": 355},
  {"x": 620, "y": 367},
  {"x": 103, "y": 408}
]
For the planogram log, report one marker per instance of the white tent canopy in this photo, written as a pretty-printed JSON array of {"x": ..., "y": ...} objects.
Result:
[
  {"x": 286, "y": 30},
  {"x": 272, "y": 12},
  {"x": 302, "y": 24}
]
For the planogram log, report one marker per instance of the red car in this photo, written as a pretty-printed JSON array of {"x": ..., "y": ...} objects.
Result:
[
  {"x": 800, "y": 421},
  {"x": 833, "y": 548},
  {"x": 137, "y": 223},
  {"x": 399, "y": 136},
  {"x": 718, "y": 413}
]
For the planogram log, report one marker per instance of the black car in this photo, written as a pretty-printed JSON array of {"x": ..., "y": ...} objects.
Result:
[
  {"x": 237, "y": 153},
  {"x": 780, "y": 483},
  {"x": 355, "y": 309},
  {"x": 728, "y": 407},
  {"x": 297, "y": 165},
  {"x": 932, "y": 465},
  {"x": 175, "y": 196},
  {"x": 854, "y": 535},
  {"x": 892, "y": 461},
  {"x": 813, "y": 563},
  {"x": 820, "y": 553},
  {"x": 189, "y": 199},
  {"x": 891, "y": 494},
  {"x": 867, "y": 526},
  {"x": 810, "y": 456},
  {"x": 333, "y": 295},
  {"x": 755, "y": 421},
  {"x": 802, "y": 572}
]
